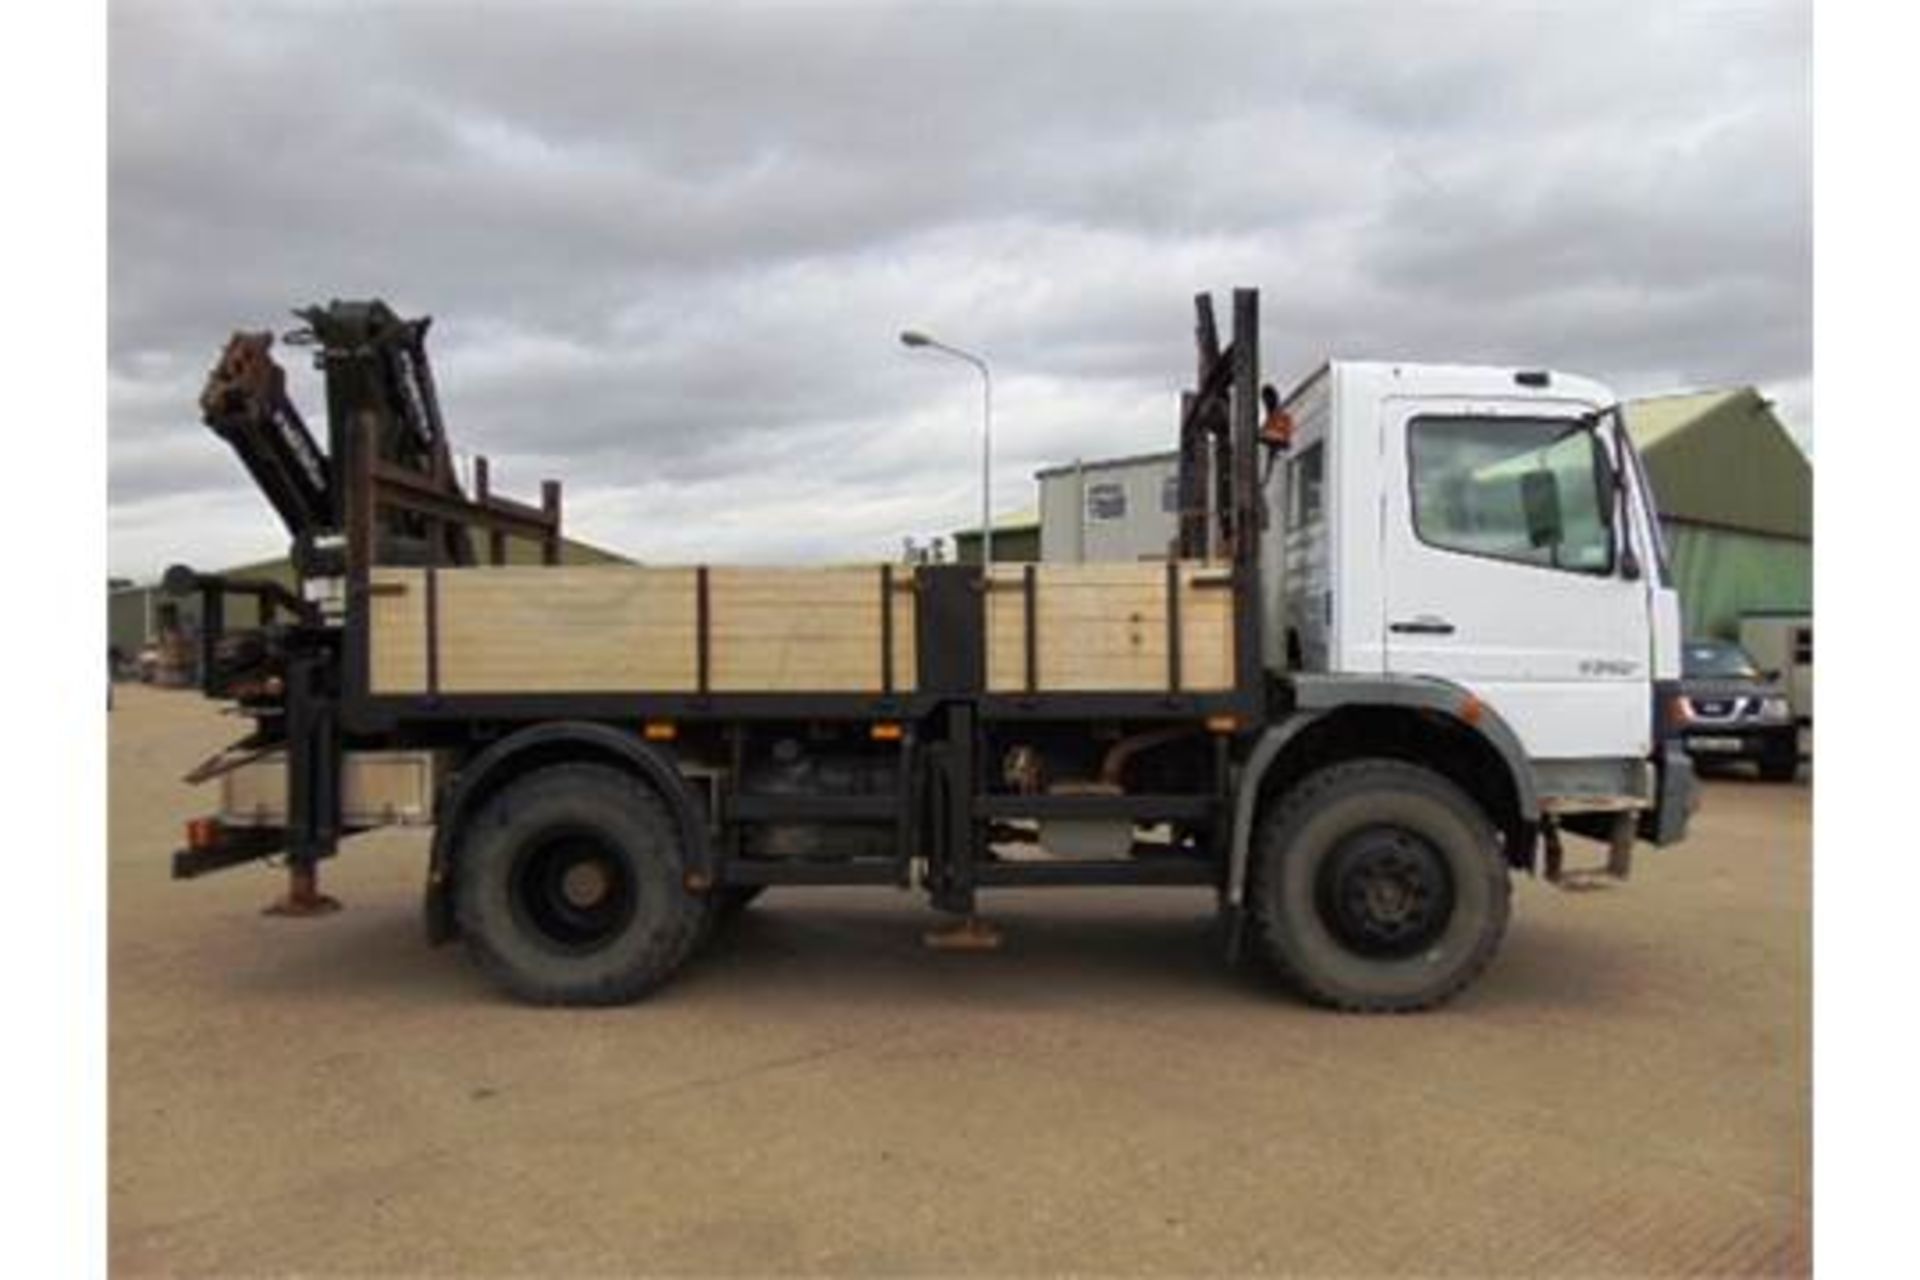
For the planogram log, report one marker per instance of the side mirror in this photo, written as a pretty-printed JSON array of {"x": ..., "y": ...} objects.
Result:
[{"x": 1540, "y": 499}]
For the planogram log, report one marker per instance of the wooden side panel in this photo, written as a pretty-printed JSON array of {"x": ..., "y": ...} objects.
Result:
[
  {"x": 805, "y": 631},
  {"x": 617, "y": 628},
  {"x": 1103, "y": 627},
  {"x": 1006, "y": 624},
  {"x": 906, "y": 652},
  {"x": 567, "y": 629},
  {"x": 1206, "y": 627},
  {"x": 397, "y": 631},
  {"x": 623, "y": 628}
]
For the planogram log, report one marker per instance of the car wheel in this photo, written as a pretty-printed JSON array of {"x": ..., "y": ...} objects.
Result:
[{"x": 1781, "y": 762}]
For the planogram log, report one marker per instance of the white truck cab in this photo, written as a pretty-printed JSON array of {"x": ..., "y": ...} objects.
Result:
[{"x": 1488, "y": 527}]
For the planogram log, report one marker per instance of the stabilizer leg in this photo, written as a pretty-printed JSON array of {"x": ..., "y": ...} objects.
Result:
[
  {"x": 968, "y": 933},
  {"x": 303, "y": 896}
]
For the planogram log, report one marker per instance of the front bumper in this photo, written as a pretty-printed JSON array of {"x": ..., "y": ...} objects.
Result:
[{"x": 1740, "y": 741}]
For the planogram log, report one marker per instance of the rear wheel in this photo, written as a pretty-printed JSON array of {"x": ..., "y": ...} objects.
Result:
[
  {"x": 1378, "y": 886},
  {"x": 570, "y": 887}
]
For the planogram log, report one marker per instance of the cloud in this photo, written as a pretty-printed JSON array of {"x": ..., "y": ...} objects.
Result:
[{"x": 669, "y": 249}]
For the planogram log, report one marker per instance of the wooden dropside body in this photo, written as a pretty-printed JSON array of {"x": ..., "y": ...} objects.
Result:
[{"x": 1048, "y": 628}]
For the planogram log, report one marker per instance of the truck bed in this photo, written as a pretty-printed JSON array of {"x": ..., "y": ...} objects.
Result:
[{"x": 1146, "y": 627}]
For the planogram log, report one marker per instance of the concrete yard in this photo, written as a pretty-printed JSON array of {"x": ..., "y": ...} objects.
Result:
[{"x": 1625, "y": 1092}]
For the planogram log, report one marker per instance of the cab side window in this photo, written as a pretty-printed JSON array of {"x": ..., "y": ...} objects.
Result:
[{"x": 1533, "y": 491}]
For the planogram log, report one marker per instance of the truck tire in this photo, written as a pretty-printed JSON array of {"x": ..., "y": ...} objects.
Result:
[
  {"x": 1781, "y": 761},
  {"x": 1377, "y": 887},
  {"x": 569, "y": 887}
]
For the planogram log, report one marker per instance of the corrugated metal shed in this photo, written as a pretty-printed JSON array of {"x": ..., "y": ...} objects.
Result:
[
  {"x": 1723, "y": 458},
  {"x": 1736, "y": 504},
  {"x": 1016, "y": 539}
]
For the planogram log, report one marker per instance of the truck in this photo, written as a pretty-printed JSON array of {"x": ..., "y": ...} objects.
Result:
[{"x": 1415, "y": 631}]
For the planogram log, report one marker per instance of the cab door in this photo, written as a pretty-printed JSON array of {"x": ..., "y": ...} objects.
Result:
[{"x": 1503, "y": 572}]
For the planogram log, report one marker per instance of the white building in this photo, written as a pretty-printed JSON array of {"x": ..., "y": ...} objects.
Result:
[{"x": 1112, "y": 509}]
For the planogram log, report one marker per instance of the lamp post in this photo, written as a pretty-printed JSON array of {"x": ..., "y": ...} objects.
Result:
[{"x": 914, "y": 338}]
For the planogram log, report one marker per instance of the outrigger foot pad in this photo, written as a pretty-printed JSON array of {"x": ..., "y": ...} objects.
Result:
[
  {"x": 969, "y": 934},
  {"x": 303, "y": 896}
]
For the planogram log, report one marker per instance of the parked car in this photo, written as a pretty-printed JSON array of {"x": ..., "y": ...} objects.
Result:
[{"x": 1731, "y": 711}]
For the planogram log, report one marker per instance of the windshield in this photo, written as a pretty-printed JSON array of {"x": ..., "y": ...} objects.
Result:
[{"x": 1717, "y": 659}]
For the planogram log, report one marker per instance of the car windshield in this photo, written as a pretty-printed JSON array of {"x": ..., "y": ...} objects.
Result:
[{"x": 1717, "y": 658}]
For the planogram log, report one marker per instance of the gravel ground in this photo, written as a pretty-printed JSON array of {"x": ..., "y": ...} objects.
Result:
[{"x": 1625, "y": 1092}]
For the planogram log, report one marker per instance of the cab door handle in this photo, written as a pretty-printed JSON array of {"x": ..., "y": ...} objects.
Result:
[{"x": 1425, "y": 625}]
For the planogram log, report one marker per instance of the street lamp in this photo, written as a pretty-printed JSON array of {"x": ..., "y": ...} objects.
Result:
[{"x": 914, "y": 338}]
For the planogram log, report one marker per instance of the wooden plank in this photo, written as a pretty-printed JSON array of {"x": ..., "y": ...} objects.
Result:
[
  {"x": 397, "y": 630},
  {"x": 1206, "y": 631},
  {"x": 566, "y": 629},
  {"x": 1103, "y": 627},
  {"x": 805, "y": 630},
  {"x": 623, "y": 628}
]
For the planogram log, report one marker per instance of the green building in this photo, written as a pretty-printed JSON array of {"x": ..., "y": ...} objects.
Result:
[
  {"x": 1016, "y": 539},
  {"x": 1736, "y": 504}
]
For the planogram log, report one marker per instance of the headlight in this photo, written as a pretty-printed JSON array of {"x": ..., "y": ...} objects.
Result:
[{"x": 1774, "y": 709}]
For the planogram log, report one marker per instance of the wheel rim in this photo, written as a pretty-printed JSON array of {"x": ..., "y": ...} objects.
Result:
[
  {"x": 573, "y": 890},
  {"x": 1385, "y": 892}
]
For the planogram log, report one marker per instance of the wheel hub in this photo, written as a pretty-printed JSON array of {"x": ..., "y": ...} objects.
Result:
[
  {"x": 586, "y": 883},
  {"x": 574, "y": 891},
  {"x": 1385, "y": 891}
]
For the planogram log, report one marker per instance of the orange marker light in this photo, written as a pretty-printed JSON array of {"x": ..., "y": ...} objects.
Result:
[
  {"x": 1223, "y": 724},
  {"x": 1472, "y": 709},
  {"x": 203, "y": 833},
  {"x": 660, "y": 731},
  {"x": 1277, "y": 430},
  {"x": 887, "y": 731}
]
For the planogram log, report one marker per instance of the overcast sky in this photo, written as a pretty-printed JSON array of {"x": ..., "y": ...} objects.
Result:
[{"x": 668, "y": 249}]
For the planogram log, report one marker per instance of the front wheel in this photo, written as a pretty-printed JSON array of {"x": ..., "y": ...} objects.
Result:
[
  {"x": 1781, "y": 759},
  {"x": 571, "y": 889},
  {"x": 1378, "y": 886}
]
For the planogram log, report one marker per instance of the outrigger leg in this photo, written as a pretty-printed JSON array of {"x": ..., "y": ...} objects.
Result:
[
  {"x": 968, "y": 933},
  {"x": 313, "y": 789},
  {"x": 303, "y": 896}
]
